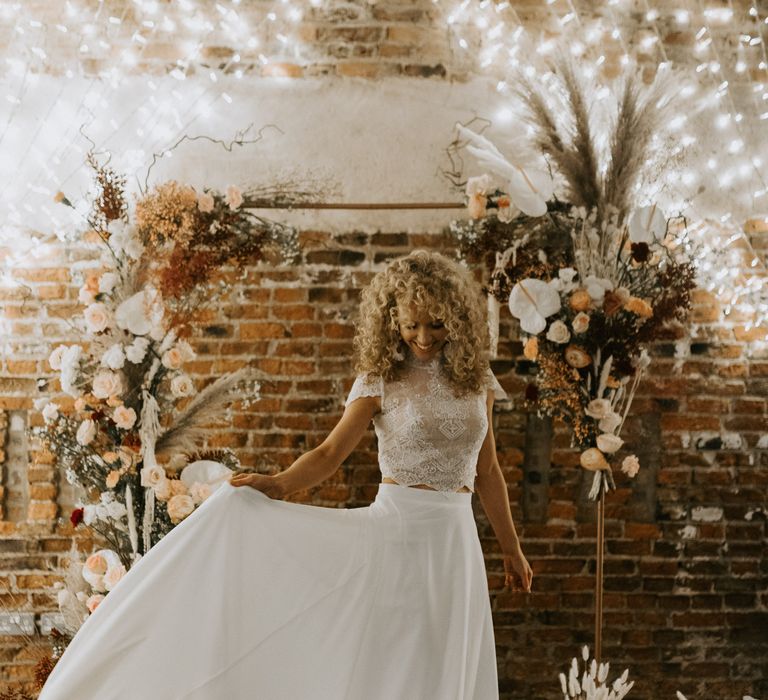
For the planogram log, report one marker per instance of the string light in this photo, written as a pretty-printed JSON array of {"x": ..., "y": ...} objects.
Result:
[{"x": 111, "y": 49}]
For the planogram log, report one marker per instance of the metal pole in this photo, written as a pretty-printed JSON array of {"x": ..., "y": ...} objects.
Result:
[
  {"x": 269, "y": 204},
  {"x": 599, "y": 576}
]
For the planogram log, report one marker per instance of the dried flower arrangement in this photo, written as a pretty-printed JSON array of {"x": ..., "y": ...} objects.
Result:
[
  {"x": 130, "y": 422},
  {"x": 593, "y": 278}
]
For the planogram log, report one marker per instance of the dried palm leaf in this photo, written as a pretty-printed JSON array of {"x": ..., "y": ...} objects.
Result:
[{"x": 188, "y": 429}]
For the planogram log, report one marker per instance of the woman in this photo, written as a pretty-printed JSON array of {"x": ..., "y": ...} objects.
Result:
[{"x": 255, "y": 597}]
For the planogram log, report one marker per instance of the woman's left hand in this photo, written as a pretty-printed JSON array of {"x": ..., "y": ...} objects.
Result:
[{"x": 518, "y": 572}]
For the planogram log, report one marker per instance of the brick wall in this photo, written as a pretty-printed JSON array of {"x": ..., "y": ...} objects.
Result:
[
  {"x": 685, "y": 601},
  {"x": 685, "y": 605}
]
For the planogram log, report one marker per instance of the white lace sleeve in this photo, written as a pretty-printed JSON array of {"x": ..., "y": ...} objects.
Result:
[
  {"x": 365, "y": 386},
  {"x": 492, "y": 383}
]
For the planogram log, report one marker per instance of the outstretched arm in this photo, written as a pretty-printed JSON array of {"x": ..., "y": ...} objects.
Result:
[
  {"x": 318, "y": 464},
  {"x": 492, "y": 490}
]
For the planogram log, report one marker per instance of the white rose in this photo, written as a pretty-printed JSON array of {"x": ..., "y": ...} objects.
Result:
[
  {"x": 54, "y": 359},
  {"x": 113, "y": 575},
  {"x": 205, "y": 202},
  {"x": 179, "y": 507},
  {"x": 580, "y": 322},
  {"x": 608, "y": 443},
  {"x": 558, "y": 332},
  {"x": 106, "y": 384},
  {"x": 96, "y": 317},
  {"x": 114, "y": 358},
  {"x": 598, "y": 408},
  {"x": 124, "y": 417},
  {"x": 86, "y": 432},
  {"x": 50, "y": 412},
  {"x": 234, "y": 197},
  {"x": 107, "y": 282},
  {"x": 610, "y": 422},
  {"x": 172, "y": 358},
  {"x": 566, "y": 274},
  {"x": 136, "y": 352},
  {"x": 479, "y": 185},
  {"x": 182, "y": 385},
  {"x": 151, "y": 476}
]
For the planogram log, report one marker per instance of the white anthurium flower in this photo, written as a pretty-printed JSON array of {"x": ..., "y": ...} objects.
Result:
[
  {"x": 647, "y": 224},
  {"x": 532, "y": 301},
  {"x": 530, "y": 184},
  {"x": 205, "y": 471},
  {"x": 139, "y": 313}
]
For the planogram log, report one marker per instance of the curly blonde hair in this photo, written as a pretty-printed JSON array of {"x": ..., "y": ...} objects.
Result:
[{"x": 432, "y": 283}]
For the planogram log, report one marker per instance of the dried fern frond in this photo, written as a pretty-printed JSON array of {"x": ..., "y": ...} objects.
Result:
[
  {"x": 639, "y": 115},
  {"x": 187, "y": 431}
]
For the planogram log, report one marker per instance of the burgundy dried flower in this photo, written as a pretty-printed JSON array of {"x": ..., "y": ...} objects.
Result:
[
  {"x": 77, "y": 517},
  {"x": 640, "y": 252}
]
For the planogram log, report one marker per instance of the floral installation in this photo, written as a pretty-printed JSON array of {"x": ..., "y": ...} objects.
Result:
[
  {"x": 594, "y": 278},
  {"x": 130, "y": 421}
]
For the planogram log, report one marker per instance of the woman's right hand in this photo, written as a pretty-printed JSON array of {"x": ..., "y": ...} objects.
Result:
[{"x": 265, "y": 483}]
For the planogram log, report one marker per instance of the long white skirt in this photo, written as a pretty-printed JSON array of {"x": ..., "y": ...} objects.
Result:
[{"x": 251, "y": 598}]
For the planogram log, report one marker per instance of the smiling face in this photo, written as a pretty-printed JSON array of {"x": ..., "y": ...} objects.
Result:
[{"x": 424, "y": 335}]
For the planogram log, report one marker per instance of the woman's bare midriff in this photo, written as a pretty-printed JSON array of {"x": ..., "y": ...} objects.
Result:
[{"x": 387, "y": 480}]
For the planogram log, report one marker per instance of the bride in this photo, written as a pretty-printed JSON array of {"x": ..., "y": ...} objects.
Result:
[{"x": 256, "y": 598}]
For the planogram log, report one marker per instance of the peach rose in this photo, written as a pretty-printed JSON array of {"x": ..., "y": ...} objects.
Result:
[
  {"x": 179, "y": 507},
  {"x": 92, "y": 602},
  {"x": 112, "y": 478},
  {"x": 80, "y": 404},
  {"x": 172, "y": 358},
  {"x": 531, "y": 349},
  {"x": 580, "y": 300},
  {"x": 96, "y": 317},
  {"x": 96, "y": 564},
  {"x": 580, "y": 322},
  {"x": 178, "y": 487},
  {"x": 199, "y": 491},
  {"x": 106, "y": 384},
  {"x": 113, "y": 575},
  {"x": 476, "y": 205},
  {"x": 124, "y": 417},
  {"x": 163, "y": 490}
]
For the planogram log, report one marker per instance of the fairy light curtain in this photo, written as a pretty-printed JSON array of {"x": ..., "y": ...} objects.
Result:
[{"x": 64, "y": 81}]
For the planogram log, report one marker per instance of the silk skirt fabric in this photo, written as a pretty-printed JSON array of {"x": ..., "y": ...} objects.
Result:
[{"x": 251, "y": 598}]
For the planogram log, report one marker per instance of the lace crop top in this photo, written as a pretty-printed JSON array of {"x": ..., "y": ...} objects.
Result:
[{"x": 426, "y": 434}]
